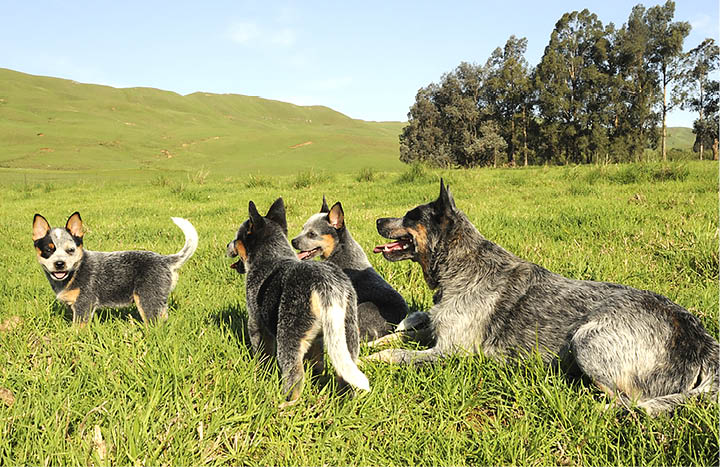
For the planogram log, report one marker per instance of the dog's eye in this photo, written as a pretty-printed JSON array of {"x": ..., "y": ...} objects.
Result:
[
  {"x": 49, "y": 249},
  {"x": 70, "y": 251},
  {"x": 311, "y": 234}
]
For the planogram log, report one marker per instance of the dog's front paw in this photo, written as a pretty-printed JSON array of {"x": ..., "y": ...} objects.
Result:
[
  {"x": 415, "y": 320},
  {"x": 387, "y": 356}
]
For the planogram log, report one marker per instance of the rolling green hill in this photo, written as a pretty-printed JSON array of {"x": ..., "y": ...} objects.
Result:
[
  {"x": 49, "y": 126},
  {"x": 55, "y": 128}
]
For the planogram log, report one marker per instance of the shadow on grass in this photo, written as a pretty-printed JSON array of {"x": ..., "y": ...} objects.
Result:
[
  {"x": 233, "y": 318},
  {"x": 104, "y": 314}
]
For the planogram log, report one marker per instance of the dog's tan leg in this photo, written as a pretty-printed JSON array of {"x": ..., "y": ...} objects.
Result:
[
  {"x": 422, "y": 336},
  {"x": 140, "y": 309},
  {"x": 403, "y": 356}
]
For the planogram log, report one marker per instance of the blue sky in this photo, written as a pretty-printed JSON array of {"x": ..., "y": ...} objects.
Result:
[{"x": 364, "y": 59}]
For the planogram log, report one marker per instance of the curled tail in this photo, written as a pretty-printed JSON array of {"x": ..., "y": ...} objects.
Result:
[
  {"x": 191, "y": 241},
  {"x": 332, "y": 316}
]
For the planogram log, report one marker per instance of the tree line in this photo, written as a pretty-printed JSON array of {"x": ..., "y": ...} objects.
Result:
[{"x": 599, "y": 94}]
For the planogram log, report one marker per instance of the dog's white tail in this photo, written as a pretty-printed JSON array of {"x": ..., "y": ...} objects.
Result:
[
  {"x": 333, "y": 325},
  {"x": 191, "y": 241}
]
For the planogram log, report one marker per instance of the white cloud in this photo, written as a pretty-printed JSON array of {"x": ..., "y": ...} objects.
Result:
[
  {"x": 251, "y": 34},
  {"x": 284, "y": 37},
  {"x": 243, "y": 32}
]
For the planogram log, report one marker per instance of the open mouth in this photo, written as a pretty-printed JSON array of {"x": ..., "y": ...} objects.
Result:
[
  {"x": 308, "y": 254},
  {"x": 235, "y": 264},
  {"x": 399, "y": 249},
  {"x": 59, "y": 275}
]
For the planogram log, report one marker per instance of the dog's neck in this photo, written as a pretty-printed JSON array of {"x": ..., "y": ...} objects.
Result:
[
  {"x": 465, "y": 253},
  {"x": 348, "y": 254},
  {"x": 274, "y": 250}
]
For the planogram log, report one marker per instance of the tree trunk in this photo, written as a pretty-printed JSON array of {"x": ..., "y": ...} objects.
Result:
[
  {"x": 702, "y": 127},
  {"x": 511, "y": 146},
  {"x": 525, "y": 148},
  {"x": 664, "y": 116},
  {"x": 715, "y": 149}
]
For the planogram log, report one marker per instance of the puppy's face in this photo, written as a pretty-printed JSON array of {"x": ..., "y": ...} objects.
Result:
[
  {"x": 416, "y": 235},
  {"x": 318, "y": 237},
  {"x": 321, "y": 233},
  {"x": 59, "y": 251}
]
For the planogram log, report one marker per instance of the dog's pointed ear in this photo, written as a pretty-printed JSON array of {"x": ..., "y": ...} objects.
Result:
[
  {"x": 256, "y": 220},
  {"x": 40, "y": 227},
  {"x": 74, "y": 225},
  {"x": 445, "y": 199},
  {"x": 324, "y": 209},
  {"x": 276, "y": 213},
  {"x": 336, "y": 216}
]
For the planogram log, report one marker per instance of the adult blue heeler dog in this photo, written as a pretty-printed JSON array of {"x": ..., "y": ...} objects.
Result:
[
  {"x": 294, "y": 306},
  {"x": 635, "y": 345}
]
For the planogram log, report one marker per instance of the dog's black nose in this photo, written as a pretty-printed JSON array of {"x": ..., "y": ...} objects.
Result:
[{"x": 59, "y": 264}]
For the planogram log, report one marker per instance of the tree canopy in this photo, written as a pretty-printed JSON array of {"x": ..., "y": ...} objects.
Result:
[{"x": 600, "y": 93}]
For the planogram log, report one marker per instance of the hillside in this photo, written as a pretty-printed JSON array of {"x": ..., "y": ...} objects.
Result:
[{"x": 50, "y": 126}]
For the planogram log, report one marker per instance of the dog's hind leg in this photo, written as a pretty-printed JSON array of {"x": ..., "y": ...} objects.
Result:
[
  {"x": 150, "y": 307},
  {"x": 316, "y": 356},
  {"x": 632, "y": 359},
  {"x": 291, "y": 350}
]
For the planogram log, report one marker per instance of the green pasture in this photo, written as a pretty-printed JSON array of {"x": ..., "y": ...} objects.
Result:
[
  {"x": 53, "y": 125},
  {"x": 189, "y": 391}
]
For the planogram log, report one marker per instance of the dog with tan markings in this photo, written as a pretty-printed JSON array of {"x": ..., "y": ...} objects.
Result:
[
  {"x": 380, "y": 307},
  {"x": 295, "y": 307},
  {"x": 636, "y": 345},
  {"x": 86, "y": 280}
]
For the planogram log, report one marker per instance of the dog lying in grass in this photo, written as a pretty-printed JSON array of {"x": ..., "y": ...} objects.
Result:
[{"x": 636, "y": 345}]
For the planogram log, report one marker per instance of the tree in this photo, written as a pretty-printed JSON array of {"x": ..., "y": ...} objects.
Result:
[
  {"x": 424, "y": 139},
  {"x": 490, "y": 143},
  {"x": 443, "y": 124},
  {"x": 665, "y": 50},
  {"x": 570, "y": 80},
  {"x": 507, "y": 92},
  {"x": 699, "y": 93},
  {"x": 634, "y": 86}
]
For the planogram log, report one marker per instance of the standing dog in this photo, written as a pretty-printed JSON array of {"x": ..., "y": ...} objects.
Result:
[
  {"x": 634, "y": 344},
  {"x": 326, "y": 234},
  {"x": 294, "y": 306},
  {"x": 86, "y": 280}
]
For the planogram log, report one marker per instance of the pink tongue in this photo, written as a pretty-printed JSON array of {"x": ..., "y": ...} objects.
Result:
[
  {"x": 234, "y": 265},
  {"x": 388, "y": 246},
  {"x": 303, "y": 254}
]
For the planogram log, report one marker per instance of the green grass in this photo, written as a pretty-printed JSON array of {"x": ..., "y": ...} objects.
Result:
[
  {"x": 190, "y": 392},
  {"x": 53, "y": 127}
]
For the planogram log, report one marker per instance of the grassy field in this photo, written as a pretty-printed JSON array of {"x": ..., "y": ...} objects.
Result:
[
  {"x": 189, "y": 391},
  {"x": 51, "y": 126}
]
